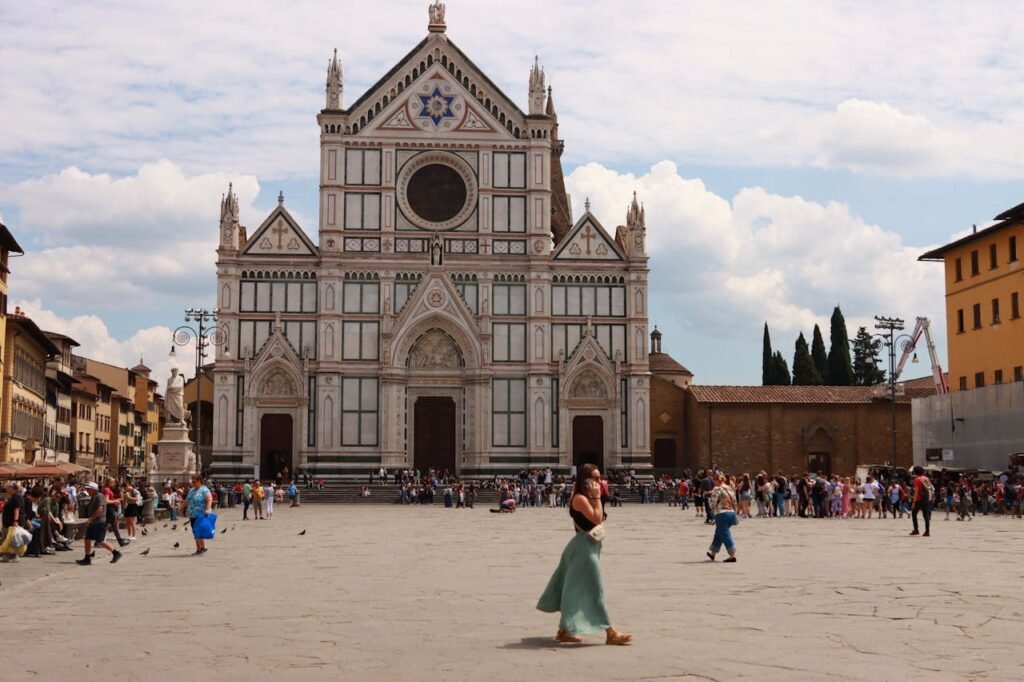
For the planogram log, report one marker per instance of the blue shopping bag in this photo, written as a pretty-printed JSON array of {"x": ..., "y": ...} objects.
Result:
[{"x": 205, "y": 527}]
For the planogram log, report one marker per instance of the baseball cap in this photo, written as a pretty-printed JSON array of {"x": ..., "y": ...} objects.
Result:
[{"x": 92, "y": 485}]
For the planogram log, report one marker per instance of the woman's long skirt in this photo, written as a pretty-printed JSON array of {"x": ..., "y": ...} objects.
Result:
[{"x": 576, "y": 589}]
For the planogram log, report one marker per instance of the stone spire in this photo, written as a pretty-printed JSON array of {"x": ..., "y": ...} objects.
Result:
[
  {"x": 229, "y": 219},
  {"x": 636, "y": 216},
  {"x": 550, "y": 109},
  {"x": 335, "y": 87},
  {"x": 536, "y": 88},
  {"x": 436, "y": 14}
]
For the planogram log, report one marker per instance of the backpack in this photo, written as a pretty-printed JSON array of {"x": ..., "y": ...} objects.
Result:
[{"x": 927, "y": 490}]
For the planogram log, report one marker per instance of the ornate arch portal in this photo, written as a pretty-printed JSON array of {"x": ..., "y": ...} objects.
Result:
[
  {"x": 275, "y": 418},
  {"x": 436, "y": 397}
]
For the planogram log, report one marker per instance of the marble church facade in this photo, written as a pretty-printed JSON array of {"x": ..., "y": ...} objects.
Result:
[{"x": 451, "y": 313}]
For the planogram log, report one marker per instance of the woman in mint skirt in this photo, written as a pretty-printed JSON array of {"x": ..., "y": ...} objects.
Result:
[{"x": 576, "y": 589}]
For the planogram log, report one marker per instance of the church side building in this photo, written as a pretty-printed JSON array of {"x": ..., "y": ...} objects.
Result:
[{"x": 452, "y": 313}]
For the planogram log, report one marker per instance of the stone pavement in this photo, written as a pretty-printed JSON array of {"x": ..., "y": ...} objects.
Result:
[{"x": 412, "y": 593}]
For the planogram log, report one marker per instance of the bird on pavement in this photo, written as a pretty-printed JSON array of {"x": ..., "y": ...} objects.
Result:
[
  {"x": 302, "y": 533},
  {"x": 144, "y": 532},
  {"x": 224, "y": 531},
  {"x": 177, "y": 545},
  {"x": 145, "y": 552},
  {"x": 174, "y": 527}
]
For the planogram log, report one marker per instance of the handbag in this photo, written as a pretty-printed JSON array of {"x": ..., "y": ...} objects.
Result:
[
  {"x": 595, "y": 534},
  {"x": 205, "y": 526},
  {"x": 20, "y": 538}
]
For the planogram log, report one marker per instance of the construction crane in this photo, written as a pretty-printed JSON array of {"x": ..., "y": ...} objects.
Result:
[{"x": 923, "y": 325}]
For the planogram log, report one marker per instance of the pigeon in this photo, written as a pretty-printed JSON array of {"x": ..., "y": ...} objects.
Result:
[
  {"x": 144, "y": 532},
  {"x": 177, "y": 545},
  {"x": 165, "y": 525},
  {"x": 145, "y": 552},
  {"x": 174, "y": 527},
  {"x": 224, "y": 531},
  {"x": 302, "y": 533}
]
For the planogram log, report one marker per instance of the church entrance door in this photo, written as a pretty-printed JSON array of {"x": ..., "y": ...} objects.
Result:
[
  {"x": 275, "y": 446},
  {"x": 434, "y": 434},
  {"x": 588, "y": 441}
]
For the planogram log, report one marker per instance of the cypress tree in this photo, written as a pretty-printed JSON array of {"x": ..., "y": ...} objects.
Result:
[
  {"x": 818, "y": 354},
  {"x": 780, "y": 370},
  {"x": 804, "y": 371},
  {"x": 867, "y": 373},
  {"x": 766, "y": 359},
  {"x": 840, "y": 368}
]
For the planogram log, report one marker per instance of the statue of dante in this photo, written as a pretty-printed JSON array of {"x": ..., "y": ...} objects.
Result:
[{"x": 174, "y": 398}]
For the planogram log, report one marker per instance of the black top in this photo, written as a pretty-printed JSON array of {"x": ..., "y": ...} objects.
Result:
[
  {"x": 581, "y": 521},
  {"x": 15, "y": 501}
]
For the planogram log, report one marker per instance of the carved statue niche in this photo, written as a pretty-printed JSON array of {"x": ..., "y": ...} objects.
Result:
[
  {"x": 277, "y": 384},
  {"x": 435, "y": 350},
  {"x": 589, "y": 386}
]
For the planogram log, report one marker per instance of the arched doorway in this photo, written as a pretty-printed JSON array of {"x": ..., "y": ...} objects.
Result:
[
  {"x": 434, "y": 432},
  {"x": 588, "y": 441},
  {"x": 819, "y": 452},
  {"x": 275, "y": 446}
]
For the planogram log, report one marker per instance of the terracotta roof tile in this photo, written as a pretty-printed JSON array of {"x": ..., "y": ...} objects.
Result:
[
  {"x": 807, "y": 395},
  {"x": 663, "y": 362}
]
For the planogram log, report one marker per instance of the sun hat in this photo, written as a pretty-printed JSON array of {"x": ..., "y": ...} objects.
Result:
[{"x": 93, "y": 485}]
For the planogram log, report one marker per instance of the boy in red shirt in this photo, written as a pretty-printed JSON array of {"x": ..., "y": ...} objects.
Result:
[{"x": 924, "y": 493}]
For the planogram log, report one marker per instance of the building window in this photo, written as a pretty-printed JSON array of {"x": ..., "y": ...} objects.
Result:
[
  {"x": 359, "y": 412},
  {"x": 362, "y": 166},
  {"x": 509, "y": 413},
  {"x": 977, "y": 315},
  {"x": 509, "y": 342},
  {"x": 359, "y": 340},
  {"x": 995, "y": 311},
  {"x": 624, "y": 412},
  {"x": 1013, "y": 249},
  {"x": 993, "y": 257},
  {"x": 963, "y": 383},
  {"x": 979, "y": 379},
  {"x": 960, "y": 321},
  {"x": 958, "y": 266},
  {"x": 588, "y": 301},
  {"x": 998, "y": 378},
  {"x": 239, "y": 410},
  {"x": 509, "y": 299},
  {"x": 361, "y": 297},
  {"x": 362, "y": 211},
  {"x": 555, "y": 422},
  {"x": 509, "y": 214},
  {"x": 284, "y": 297},
  {"x": 565, "y": 338},
  {"x": 311, "y": 413},
  {"x": 469, "y": 293},
  {"x": 1015, "y": 306},
  {"x": 1018, "y": 373},
  {"x": 975, "y": 269},
  {"x": 509, "y": 170},
  {"x": 405, "y": 285}
]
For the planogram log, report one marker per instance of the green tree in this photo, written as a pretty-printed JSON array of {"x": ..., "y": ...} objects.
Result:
[
  {"x": 804, "y": 371},
  {"x": 840, "y": 368},
  {"x": 780, "y": 370},
  {"x": 867, "y": 373},
  {"x": 818, "y": 354},
  {"x": 766, "y": 359}
]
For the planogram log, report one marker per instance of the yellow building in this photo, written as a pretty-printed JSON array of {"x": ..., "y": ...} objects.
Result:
[
  {"x": 26, "y": 351},
  {"x": 984, "y": 287},
  {"x": 146, "y": 404},
  {"x": 8, "y": 245},
  {"x": 126, "y": 423},
  {"x": 84, "y": 420}
]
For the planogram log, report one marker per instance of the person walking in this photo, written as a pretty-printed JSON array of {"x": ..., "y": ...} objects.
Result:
[
  {"x": 96, "y": 527},
  {"x": 113, "y": 508},
  {"x": 198, "y": 502},
  {"x": 268, "y": 500},
  {"x": 575, "y": 589},
  {"x": 924, "y": 492},
  {"x": 246, "y": 500},
  {"x": 258, "y": 493},
  {"x": 722, "y": 501}
]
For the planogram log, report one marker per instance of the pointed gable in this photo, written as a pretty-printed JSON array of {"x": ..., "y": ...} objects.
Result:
[
  {"x": 587, "y": 240},
  {"x": 437, "y": 88},
  {"x": 280, "y": 235}
]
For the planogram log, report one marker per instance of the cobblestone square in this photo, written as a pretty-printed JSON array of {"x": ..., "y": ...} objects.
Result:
[{"x": 418, "y": 593}]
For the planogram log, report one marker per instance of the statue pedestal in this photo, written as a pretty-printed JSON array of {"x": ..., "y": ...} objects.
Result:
[{"x": 175, "y": 457}]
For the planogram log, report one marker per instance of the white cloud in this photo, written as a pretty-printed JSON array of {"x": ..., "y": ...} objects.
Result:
[
  {"x": 112, "y": 85},
  {"x": 151, "y": 344},
  {"x": 720, "y": 268}
]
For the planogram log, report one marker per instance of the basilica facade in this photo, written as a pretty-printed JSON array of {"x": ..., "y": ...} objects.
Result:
[{"x": 451, "y": 313}]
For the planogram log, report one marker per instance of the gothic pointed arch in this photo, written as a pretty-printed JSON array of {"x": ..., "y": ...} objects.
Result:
[{"x": 436, "y": 304}]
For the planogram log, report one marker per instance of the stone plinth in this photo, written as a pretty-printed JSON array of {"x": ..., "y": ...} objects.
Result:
[{"x": 175, "y": 456}]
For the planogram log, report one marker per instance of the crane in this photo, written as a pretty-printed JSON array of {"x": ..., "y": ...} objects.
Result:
[{"x": 922, "y": 327}]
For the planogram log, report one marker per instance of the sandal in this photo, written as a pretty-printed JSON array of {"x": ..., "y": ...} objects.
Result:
[
  {"x": 711, "y": 556},
  {"x": 619, "y": 639},
  {"x": 565, "y": 638}
]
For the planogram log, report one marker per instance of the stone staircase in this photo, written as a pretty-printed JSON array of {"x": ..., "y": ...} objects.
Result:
[{"x": 350, "y": 493}]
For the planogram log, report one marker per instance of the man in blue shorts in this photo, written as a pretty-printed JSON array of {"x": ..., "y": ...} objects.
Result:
[{"x": 96, "y": 528}]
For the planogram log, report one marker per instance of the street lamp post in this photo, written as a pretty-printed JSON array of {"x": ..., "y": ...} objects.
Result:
[
  {"x": 205, "y": 333},
  {"x": 889, "y": 326}
]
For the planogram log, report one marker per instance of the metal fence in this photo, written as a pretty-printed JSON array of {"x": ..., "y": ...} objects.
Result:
[{"x": 974, "y": 429}]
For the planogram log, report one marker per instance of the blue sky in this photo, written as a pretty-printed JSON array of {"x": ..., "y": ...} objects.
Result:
[{"x": 791, "y": 155}]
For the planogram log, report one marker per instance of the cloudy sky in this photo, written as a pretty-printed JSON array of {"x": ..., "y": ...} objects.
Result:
[{"x": 791, "y": 155}]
